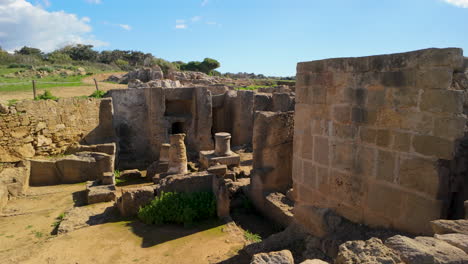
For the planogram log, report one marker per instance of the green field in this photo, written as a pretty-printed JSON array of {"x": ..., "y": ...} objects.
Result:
[{"x": 25, "y": 83}]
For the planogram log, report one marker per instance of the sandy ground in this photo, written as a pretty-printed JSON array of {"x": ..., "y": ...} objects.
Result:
[
  {"x": 26, "y": 225},
  {"x": 86, "y": 89}
]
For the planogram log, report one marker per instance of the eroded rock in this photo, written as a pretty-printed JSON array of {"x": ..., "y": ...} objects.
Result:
[
  {"x": 370, "y": 251},
  {"x": 279, "y": 257}
]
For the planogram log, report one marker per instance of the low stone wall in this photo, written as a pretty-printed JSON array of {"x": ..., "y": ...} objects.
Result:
[
  {"x": 370, "y": 134},
  {"x": 47, "y": 127},
  {"x": 81, "y": 167}
]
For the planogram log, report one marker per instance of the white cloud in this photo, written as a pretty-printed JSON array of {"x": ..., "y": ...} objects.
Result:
[
  {"x": 204, "y": 2},
  {"x": 125, "y": 26},
  {"x": 180, "y": 21},
  {"x": 196, "y": 18},
  {"x": 94, "y": 1},
  {"x": 459, "y": 3},
  {"x": 181, "y": 26},
  {"x": 24, "y": 24},
  {"x": 46, "y": 3}
]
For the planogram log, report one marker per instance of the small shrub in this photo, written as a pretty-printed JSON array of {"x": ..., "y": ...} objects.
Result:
[
  {"x": 252, "y": 237},
  {"x": 47, "y": 95},
  {"x": 179, "y": 208},
  {"x": 12, "y": 102},
  {"x": 59, "y": 220},
  {"x": 98, "y": 94},
  {"x": 19, "y": 65},
  {"x": 46, "y": 69}
]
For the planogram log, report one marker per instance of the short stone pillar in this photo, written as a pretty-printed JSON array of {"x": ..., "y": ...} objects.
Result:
[
  {"x": 108, "y": 178},
  {"x": 223, "y": 144},
  {"x": 177, "y": 155},
  {"x": 164, "y": 152}
]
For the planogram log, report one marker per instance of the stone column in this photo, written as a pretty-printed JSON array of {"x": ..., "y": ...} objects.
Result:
[
  {"x": 177, "y": 155},
  {"x": 164, "y": 152},
  {"x": 223, "y": 144}
]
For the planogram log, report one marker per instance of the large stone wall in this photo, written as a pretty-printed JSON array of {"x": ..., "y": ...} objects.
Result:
[
  {"x": 46, "y": 127},
  {"x": 370, "y": 134}
]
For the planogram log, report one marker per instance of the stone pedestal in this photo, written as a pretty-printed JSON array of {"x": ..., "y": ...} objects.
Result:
[
  {"x": 223, "y": 144},
  {"x": 177, "y": 155},
  {"x": 164, "y": 152}
]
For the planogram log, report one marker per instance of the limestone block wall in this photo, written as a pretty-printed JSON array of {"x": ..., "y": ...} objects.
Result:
[
  {"x": 370, "y": 133},
  {"x": 46, "y": 127}
]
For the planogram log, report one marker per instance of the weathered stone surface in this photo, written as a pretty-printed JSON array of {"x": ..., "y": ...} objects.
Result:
[
  {"x": 108, "y": 178},
  {"x": 16, "y": 179},
  {"x": 193, "y": 182},
  {"x": 370, "y": 251},
  {"x": 318, "y": 221},
  {"x": 450, "y": 226},
  {"x": 177, "y": 155},
  {"x": 426, "y": 250},
  {"x": 4, "y": 109},
  {"x": 314, "y": 261},
  {"x": 99, "y": 193},
  {"x": 156, "y": 168},
  {"x": 457, "y": 240},
  {"x": 47, "y": 127},
  {"x": 218, "y": 170},
  {"x": 208, "y": 158},
  {"x": 3, "y": 196},
  {"x": 84, "y": 216},
  {"x": 279, "y": 257},
  {"x": 131, "y": 174},
  {"x": 370, "y": 135},
  {"x": 132, "y": 199},
  {"x": 279, "y": 209}
]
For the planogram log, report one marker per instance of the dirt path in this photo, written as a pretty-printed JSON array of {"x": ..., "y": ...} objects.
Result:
[
  {"x": 27, "y": 223},
  {"x": 87, "y": 89}
]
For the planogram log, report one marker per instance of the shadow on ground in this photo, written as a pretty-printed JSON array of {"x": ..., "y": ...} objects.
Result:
[{"x": 153, "y": 235}]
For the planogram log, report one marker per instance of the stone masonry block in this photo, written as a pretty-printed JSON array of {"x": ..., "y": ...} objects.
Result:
[
  {"x": 433, "y": 146},
  {"x": 321, "y": 150},
  {"x": 450, "y": 127},
  {"x": 401, "y": 141},
  {"x": 386, "y": 166},
  {"x": 343, "y": 155},
  {"x": 420, "y": 175},
  {"x": 435, "y": 78},
  {"x": 442, "y": 101},
  {"x": 385, "y": 200}
]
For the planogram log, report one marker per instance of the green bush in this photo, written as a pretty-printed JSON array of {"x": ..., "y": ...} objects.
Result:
[
  {"x": 180, "y": 208},
  {"x": 98, "y": 94},
  {"x": 46, "y": 69},
  {"x": 47, "y": 95},
  {"x": 17, "y": 65}
]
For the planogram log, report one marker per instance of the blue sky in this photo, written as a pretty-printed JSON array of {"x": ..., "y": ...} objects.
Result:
[{"x": 262, "y": 36}]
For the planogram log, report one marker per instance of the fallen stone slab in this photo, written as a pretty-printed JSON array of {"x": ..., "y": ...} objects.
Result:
[
  {"x": 131, "y": 174},
  {"x": 99, "y": 193},
  {"x": 279, "y": 208},
  {"x": 450, "y": 226},
  {"x": 84, "y": 216},
  {"x": 370, "y": 251},
  {"x": 134, "y": 198},
  {"x": 458, "y": 240},
  {"x": 423, "y": 250},
  {"x": 193, "y": 182},
  {"x": 278, "y": 257}
]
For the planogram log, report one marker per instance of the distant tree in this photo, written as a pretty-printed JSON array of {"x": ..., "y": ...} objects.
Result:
[
  {"x": 207, "y": 65},
  {"x": 122, "y": 64},
  {"x": 29, "y": 51},
  {"x": 165, "y": 65},
  {"x": 58, "y": 57},
  {"x": 81, "y": 52}
]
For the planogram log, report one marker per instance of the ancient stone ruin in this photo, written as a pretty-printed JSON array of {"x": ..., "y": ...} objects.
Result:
[{"x": 364, "y": 161}]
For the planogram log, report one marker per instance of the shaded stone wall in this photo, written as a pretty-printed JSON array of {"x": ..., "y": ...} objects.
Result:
[
  {"x": 370, "y": 133},
  {"x": 145, "y": 118},
  {"x": 46, "y": 127}
]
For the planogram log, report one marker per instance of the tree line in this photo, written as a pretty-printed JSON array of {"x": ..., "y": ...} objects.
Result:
[{"x": 123, "y": 59}]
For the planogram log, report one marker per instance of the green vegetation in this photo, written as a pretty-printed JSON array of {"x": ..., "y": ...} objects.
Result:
[
  {"x": 253, "y": 87},
  {"x": 118, "y": 180},
  {"x": 98, "y": 94},
  {"x": 12, "y": 102},
  {"x": 252, "y": 237},
  {"x": 180, "y": 208},
  {"x": 29, "y": 227},
  {"x": 38, "y": 234},
  {"x": 59, "y": 220},
  {"x": 47, "y": 95}
]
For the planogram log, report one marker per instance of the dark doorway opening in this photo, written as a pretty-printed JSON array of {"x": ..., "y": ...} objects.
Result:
[{"x": 177, "y": 128}]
